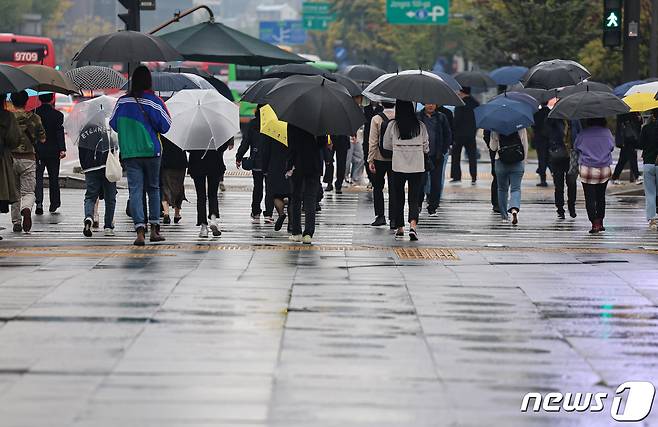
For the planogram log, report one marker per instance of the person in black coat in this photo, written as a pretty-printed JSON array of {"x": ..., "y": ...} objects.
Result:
[
  {"x": 252, "y": 141},
  {"x": 465, "y": 133},
  {"x": 304, "y": 169},
  {"x": 440, "y": 134},
  {"x": 627, "y": 138},
  {"x": 50, "y": 153},
  {"x": 275, "y": 163},
  {"x": 207, "y": 167}
]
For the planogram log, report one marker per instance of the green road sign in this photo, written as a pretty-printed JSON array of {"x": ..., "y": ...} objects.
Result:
[
  {"x": 418, "y": 12},
  {"x": 317, "y": 15}
]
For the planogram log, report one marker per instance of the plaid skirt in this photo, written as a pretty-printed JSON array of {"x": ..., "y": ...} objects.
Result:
[{"x": 590, "y": 175}]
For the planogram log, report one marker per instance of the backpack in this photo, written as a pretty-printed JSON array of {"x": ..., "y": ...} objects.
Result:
[
  {"x": 510, "y": 148},
  {"x": 387, "y": 154}
]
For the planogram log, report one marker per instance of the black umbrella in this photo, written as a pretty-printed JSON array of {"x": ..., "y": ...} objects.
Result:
[
  {"x": 363, "y": 73},
  {"x": 257, "y": 92},
  {"x": 588, "y": 105},
  {"x": 14, "y": 80},
  {"x": 422, "y": 87},
  {"x": 555, "y": 74},
  {"x": 352, "y": 87},
  {"x": 541, "y": 95},
  {"x": 219, "y": 85},
  {"x": 127, "y": 46},
  {"x": 215, "y": 42},
  {"x": 584, "y": 87},
  {"x": 474, "y": 79},
  {"x": 287, "y": 70},
  {"x": 316, "y": 105}
]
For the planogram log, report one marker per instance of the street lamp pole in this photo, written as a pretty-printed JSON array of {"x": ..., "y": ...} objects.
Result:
[
  {"x": 178, "y": 15},
  {"x": 631, "y": 40}
]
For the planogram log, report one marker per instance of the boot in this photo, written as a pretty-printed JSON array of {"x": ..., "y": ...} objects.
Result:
[
  {"x": 595, "y": 227},
  {"x": 601, "y": 227},
  {"x": 141, "y": 234},
  {"x": 155, "y": 234}
]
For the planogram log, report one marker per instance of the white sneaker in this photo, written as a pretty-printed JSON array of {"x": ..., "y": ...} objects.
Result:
[
  {"x": 295, "y": 238},
  {"x": 214, "y": 227},
  {"x": 616, "y": 182},
  {"x": 653, "y": 224},
  {"x": 109, "y": 232},
  {"x": 255, "y": 219},
  {"x": 307, "y": 240},
  {"x": 204, "y": 231},
  {"x": 269, "y": 220}
]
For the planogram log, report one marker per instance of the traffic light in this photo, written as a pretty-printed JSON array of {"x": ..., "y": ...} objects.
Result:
[
  {"x": 612, "y": 23},
  {"x": 131, "y": 17}
]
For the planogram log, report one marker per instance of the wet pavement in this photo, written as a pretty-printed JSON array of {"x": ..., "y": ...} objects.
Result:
[{"x": 360, "y": 330}]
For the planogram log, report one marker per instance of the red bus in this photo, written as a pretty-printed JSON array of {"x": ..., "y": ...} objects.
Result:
[{"x": 21, "y": 50}]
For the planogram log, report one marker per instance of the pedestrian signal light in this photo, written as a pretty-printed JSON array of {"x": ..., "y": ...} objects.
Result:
[{"x": 612, "y": 34}]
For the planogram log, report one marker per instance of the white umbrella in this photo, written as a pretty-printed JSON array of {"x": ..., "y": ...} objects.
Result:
[
  {"x": 200, "y": 81},
  {"x": 367, "y": 92},
  {"x": 651, "y": 88},
  {"x": 92, "y": 113},
  {"x": 202, "y": 119}
]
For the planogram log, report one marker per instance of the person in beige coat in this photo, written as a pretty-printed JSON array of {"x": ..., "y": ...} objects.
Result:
[
  {"x": 9, "y": 140},
  {"x": 380, "y": 166}
]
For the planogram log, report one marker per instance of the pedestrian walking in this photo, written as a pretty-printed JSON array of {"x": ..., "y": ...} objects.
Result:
[
  {"x": 50, "y": 154},
  {"x": 206, "y": 169},
  {"x": 594, "y": 145},
  {"x": 379, "y": 164},
  {"x": 540, "y": 141},
  {"x": 465, "y": 134},
  {"x": 140, "y": 117},
  {"x": 275, "y": 162},
  {"x": 9, "y": 141},
  {"x": 511, "y": 154},
  {"x": 649, "y": 145},
  {"x": 253, "y": 141},
  {"x": 172, "y": 180},
  {"x": 440, "y": 138},
  {"x": 304, "y": 169},
  {"x": 24, "y": 156},
  {"x": 340, "y": 145},
  {"x": 495, "y": 206},
  {"x": 407, "y": 137},
  {"x": 93, "y": 164},
  {"x": 560, "y": 145},
  {"x": 627, "y": 138},
  {"x": 354, "y": 169},
  {"x": 370, "y": 111}
]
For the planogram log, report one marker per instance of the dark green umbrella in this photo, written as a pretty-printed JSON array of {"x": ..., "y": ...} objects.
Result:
[{"x": 215, "y": 42}]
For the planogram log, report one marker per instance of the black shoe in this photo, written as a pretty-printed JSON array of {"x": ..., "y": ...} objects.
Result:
[
  {"x": 53, "y": 208},
  {"x": 561, "y": 215},
  {"x": 39, "y": 210},
  {"x": 495, "y": 209},
  {"x": 542, "y": 184},
  {"x": 318, "y": 208},
  {"x": 87, "y": 230},
  {"x": 329, "y": 188},
  {"x": 95, "y": 225},
  {"x": 399, "y": 234},
  {"x": 474, "y": 182},
  {"x": 339, "y": 190},
  {"x": 177, "y": 219},
  {"x": 455, "y": 180},
  {"x": 413, "y": 236},
  {"x": 572, "y": 212},
  {"x": 379, "y": 221},
  {"x": 17, "y": 228},
  {"x": 166, "y": 220},
  {"x": 278, "y": 225}
]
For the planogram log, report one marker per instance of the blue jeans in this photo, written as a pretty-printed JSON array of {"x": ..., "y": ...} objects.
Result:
[
  {"x": 650, "y": 185},
  {"x": 509, "y": 180},
  {"x": 95, "y": 182},
  {"x": 144, "y": 175}
]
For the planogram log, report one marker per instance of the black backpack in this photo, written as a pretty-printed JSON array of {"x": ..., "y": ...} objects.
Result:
[
  {"x": 387, "y": 154},
  {"x": 510, "y": 148}
]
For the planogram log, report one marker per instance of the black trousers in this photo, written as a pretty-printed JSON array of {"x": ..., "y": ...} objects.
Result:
[
  {"x": 257, "y": 195},
  {"x": 494, "y": 181},
  {"x": 595, "y": 200},
  {"x": 471, "y": 150},
  {"x": 304, "y": 190},
  {"x": 561, "y": 177},
  {"x": 383, "y": 170},
  {"x": 206, "y": 195},
  {"x": 436, "y": 179},
  {"x": 627, "y": 155},
  {"x": 366, "y": 150},
  {"x": 414, "y": 180},
  {"x": 541, "y": 145},
  {"x": 52, "y": 165}
]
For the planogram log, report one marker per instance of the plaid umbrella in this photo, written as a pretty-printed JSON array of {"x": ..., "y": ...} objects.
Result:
[{"x": 93, "y": 77}]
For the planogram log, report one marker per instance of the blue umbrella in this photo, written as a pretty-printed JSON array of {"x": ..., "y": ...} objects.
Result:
[
  {"x": 450, "y": 81},
  {"x": 504, "y": 116},
  {"x": 621, "y": 90},
  {"x": 521, "y": 97},
  {"x": 507, "y": 76}
]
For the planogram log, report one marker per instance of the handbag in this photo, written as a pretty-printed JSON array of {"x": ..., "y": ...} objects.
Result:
[
  {"x": 113, "y": 171},
  {"x": 247, "y": 163},
  {"x": 558, "y": 153}
]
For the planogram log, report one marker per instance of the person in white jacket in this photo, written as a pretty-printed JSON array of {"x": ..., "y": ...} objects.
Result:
[{"x": 407, "y": 138}]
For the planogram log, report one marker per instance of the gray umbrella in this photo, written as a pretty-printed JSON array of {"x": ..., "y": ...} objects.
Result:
[
  {"x": 584, "y": 87},
  {"x": 588, "y": 105},
  {"x": 127, "y": 46},
  {"x": 555, "y": 74}
]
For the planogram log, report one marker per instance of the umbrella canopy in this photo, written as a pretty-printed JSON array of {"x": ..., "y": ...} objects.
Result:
[
  {"x": 474, "y": 79},
  {"x": 454, "y": 84},
  {"x": 219, "y": 85},
  {"x": 316, "y": 105},
  {"x": 271, "y": 126},
  {"x": 363, "y": 73},
  {"x": 418, "y": 86},
  {"x": 555, "y": 74},
  {"x": 541, "y": 95},
  {"x": 257, "y": 92},
  {"x": 507, "y": 76},
  {"x": 504, "y": 116},
  {"x": 584, "y": 87},
  {"x": 88, "y": 123},
  {"x": 283, "y": 71},
  {"x": 520, "y": 97},
  {"x": 202, "y": 119},
  {"x": 127, "y": 46},
  {"x": 640, "y": 102},
  {"x": 172, "y": 82},
  {"x": 651, "y": 88},
  {"x": 588, "y": 105},
  {"x": 215, "y": 42},
  {"x": 367, "y": 92},
  {"x": 352, "y": 87},
  {"x": 13, "y": 79},
  {"x": 621, "y": 90},
  {"x": 50, "y": 79},
  {"x": 94, "y": 77}
]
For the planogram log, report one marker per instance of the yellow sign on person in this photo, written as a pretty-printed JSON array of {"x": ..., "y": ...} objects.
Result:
[
  {"x": 271, "y": 126},
  {"x": 640, "y": 102}
]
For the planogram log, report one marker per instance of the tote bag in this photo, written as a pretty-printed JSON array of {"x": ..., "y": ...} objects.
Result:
[{"x": 113, "y": 170}]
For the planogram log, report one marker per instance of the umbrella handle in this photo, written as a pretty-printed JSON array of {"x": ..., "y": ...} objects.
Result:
[{"x": 212, "y": 139}]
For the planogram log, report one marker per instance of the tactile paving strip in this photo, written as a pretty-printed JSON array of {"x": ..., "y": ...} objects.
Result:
[{"x": 424, "y": 254}]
